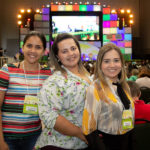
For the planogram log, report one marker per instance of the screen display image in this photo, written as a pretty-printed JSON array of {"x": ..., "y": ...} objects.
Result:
[
  {"x": 89, "y": 50},
  {"x": 84, "y": 28}
]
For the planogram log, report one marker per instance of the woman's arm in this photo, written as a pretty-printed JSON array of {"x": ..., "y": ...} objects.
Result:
[
  {"x": 3, "y": 144},
  {"x": 4, "y": 82},
  {"x": 65, "y": 127}
]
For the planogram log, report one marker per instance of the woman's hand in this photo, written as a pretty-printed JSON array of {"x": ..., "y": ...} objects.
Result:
[
  {"x": 4, "y": 146},
  {"x": 81, "y": 136},
  {"x": 65, "y": 127}
]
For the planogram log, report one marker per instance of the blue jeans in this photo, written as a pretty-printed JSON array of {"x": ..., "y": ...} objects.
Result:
[{"x": 26, "y": 143}]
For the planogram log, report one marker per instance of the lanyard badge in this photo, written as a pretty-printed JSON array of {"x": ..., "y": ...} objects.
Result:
[
  {"x": 30, "y": 104},
  {"x": 127, "y": 118}
]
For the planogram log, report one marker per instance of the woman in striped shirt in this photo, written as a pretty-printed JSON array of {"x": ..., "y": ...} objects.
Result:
[{"x": 19, "y": 84}]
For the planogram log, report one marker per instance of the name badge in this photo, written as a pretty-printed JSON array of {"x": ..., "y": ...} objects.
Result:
[
  {"x": 127, "y": 118},
  {"x": 30, "y": 105}
]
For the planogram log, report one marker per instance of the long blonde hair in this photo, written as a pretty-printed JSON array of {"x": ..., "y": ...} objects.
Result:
[{"x": 98, "y": 74}]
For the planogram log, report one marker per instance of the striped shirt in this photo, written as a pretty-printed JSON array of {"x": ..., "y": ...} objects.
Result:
[{"x": 17, "y": 83}]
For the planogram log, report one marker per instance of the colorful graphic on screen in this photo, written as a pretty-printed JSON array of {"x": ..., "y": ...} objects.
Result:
[
  {"x": 89, "y": 50},
  {"x": 85, "y": 28}
]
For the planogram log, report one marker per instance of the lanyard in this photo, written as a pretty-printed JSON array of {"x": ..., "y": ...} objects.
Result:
[{"x": 26, "y": 78}]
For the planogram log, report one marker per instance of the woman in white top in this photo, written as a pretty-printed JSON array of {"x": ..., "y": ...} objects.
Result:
[
  {"x": 62, "y": 97},
  {"x": 109, "y": 109}
]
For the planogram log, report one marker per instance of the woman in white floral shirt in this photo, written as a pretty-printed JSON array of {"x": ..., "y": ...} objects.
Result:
[{"x": 61, "y": 99}]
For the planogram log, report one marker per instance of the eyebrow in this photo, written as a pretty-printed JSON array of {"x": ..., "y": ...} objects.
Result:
[
  {"x": 67, "y": 48},
  {"x": 33, "y": 44},
  {"x": 63, "y": 49},
  {"x": 110, "y": 58}
]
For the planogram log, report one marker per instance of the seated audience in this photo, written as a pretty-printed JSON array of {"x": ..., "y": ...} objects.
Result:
[
  {"x": 134, "y": 75},
  {"x": 144, "y": 77},
  {"x": 142, "y": 110}
]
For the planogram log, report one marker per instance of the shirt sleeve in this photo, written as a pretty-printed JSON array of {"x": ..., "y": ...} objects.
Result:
[
  {"x": 91, "y": 110},
  {"x": 4, "y": 78},
  {"x": 50, "y": 103}
]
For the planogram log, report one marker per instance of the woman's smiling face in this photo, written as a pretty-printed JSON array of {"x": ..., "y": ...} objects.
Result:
[
  {"x": 33, "y": 49},
  {"x": 68, "y": 53},
  {"x": 111, "y": 65}
]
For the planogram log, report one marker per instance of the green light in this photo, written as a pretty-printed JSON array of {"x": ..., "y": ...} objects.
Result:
[
  {"x": 127, "y": 57},
  {"x": 105, "y": 38},
  {"x": 106, "y": 17},
  {"x": 82, "y": 7},
  {"x": 122, "y": 50},
  {"x": 45, "y": 58},
  {"x": 47, "y": 38},
  {"x": 21, "y": 44}
]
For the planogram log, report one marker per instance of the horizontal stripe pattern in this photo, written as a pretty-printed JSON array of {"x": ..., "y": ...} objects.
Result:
[{"x": 13, "y": 82}]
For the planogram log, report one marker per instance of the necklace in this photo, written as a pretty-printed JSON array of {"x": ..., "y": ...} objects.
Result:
[{"x": 27, "y": 83}]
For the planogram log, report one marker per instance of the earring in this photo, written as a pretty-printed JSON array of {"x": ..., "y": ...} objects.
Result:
[{"x": 57, "y": 59}]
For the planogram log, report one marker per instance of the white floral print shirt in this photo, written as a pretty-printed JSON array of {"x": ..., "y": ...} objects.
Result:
[{"x": 65, "y": 97}]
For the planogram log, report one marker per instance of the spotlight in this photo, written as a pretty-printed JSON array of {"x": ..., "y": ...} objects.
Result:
[
  {"x": 128, "y": 11},
  {"x": 131, "y": 21},
  {"x": 38, "y": 11},
  {"x": 19, "y": 16},
  {"x": 28, "y": 10},
  {"x": 113, "y": 11},
  {"x": 131, "y": 15},
  {"x": 22, "y": 10},
  {"x": 122, "y": 11},
  {"x": 19, "y": 22}
]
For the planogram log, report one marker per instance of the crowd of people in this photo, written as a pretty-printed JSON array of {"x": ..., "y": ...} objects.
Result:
[{"x": 71, "y": 104}]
